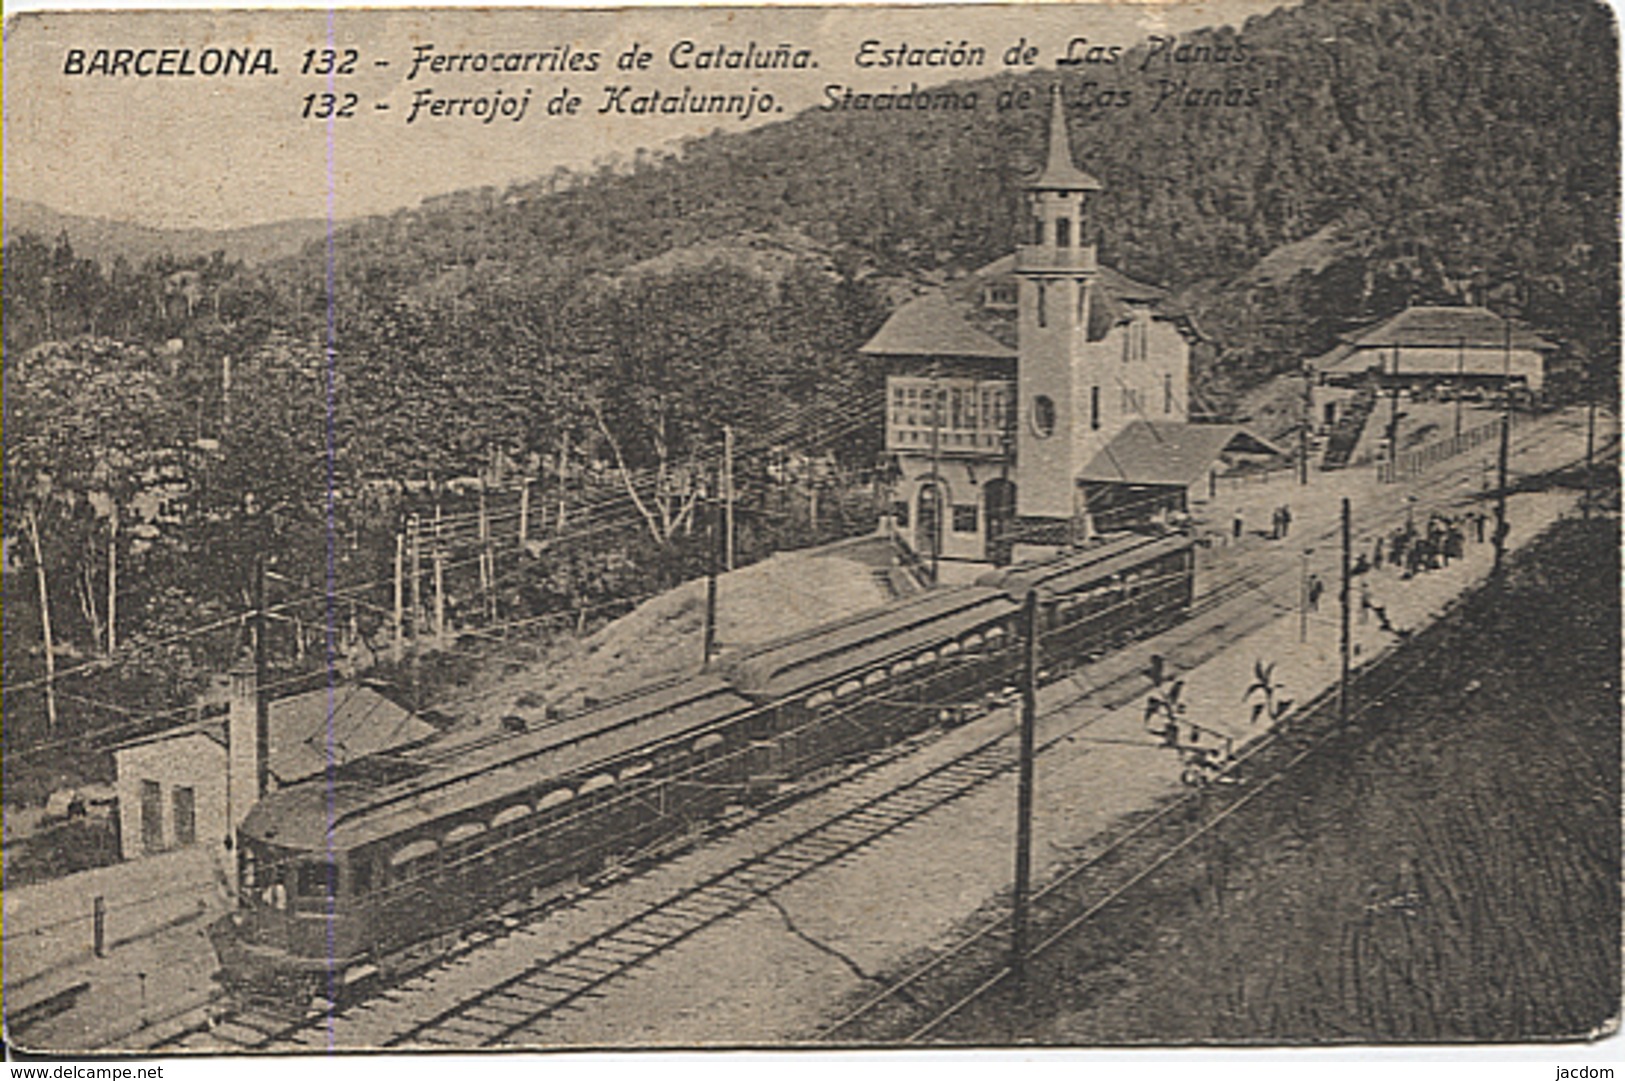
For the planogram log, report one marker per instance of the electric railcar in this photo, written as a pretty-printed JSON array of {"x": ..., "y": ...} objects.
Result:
[{"x": 379, "y": 866}]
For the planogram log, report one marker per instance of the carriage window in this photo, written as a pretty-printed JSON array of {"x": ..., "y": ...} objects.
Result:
[
  {"x": 464, "y": 832},
  {"x": 995, "y": 637},
  {"x": 510, "y": 814},
  {"x": 705, "y": 743},
  {"x": 593, "y": 784},
  {"x": 973, "y": 642},
  {"x": 875, "y": 678},
  {"x": 318, "y": 879},
  {"x": 822, "y": 698},
  {"x": 928, "y": 657},
  {"x": 555, "y": 798},
  {"x": 950, "y": 650},
  {"x": 902, "y": 668},
  {"x": 636, "y": 769},
  {"x": 851, "y": 686}
]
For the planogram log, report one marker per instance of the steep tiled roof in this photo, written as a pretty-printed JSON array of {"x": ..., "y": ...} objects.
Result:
[
  {"x": 931, "y": 326},
  {"x": 955, "y": 321}
]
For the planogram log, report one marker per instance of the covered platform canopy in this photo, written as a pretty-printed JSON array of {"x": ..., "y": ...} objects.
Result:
[{"x": 1169, "y": 454}]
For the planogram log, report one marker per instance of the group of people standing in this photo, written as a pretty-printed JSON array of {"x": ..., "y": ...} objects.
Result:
[{"x": 1414, "y": 550}]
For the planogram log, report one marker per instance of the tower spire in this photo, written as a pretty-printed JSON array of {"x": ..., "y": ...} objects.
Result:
[{"x": 1060, "y": 174}]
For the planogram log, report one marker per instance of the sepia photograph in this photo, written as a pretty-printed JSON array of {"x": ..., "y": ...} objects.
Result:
[{"x": 1043, "y": 526}]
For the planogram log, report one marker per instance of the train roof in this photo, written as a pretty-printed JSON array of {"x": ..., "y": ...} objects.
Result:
[
  {"x": 354, "y": 813},
  {"x": 1072, "y": 572},
  {"x": 801, "y": 662}
]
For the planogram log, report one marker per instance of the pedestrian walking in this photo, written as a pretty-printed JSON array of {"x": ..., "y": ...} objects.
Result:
[
  {"x": 1376, "y": 554},
  {"x": 1365, "y": 602},
  {"x": 1236, "y": 526},
  {"x": 1286, "y": 519},
  {"x": 1316, "y": 588}
]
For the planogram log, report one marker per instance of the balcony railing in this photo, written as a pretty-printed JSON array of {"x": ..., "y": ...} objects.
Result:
[
  {"x": 948, "y": 442},
  {"x": 1062, "y": 260}
]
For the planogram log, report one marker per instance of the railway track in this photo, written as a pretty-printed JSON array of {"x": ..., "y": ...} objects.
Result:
[
  {"x": 916, "y": 1006},
  {"x": 516, "y": 1008},
  {"x": 513, "y": 1008}
]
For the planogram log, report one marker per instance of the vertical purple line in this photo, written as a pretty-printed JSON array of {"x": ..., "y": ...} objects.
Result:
[{"x": 330, "y": 374}]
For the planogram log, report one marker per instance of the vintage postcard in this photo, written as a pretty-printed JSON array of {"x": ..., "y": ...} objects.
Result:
[{"x": 1065, "y": 525}]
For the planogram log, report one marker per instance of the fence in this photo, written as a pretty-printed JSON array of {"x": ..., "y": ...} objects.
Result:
[
  {"x": 1412, "y": 463},
  {"x": 1255, "y": 478}
]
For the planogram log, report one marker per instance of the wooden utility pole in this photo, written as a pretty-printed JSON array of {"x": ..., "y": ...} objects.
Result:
[
  {"x": 939, "y": 505},
  {"x": 1461, "y": 369},
  {"x": 564, "y": 484},
  {"x": 262, "y": 682},
  {"x": 225, "y": 393},
  {"x": 488, "y": 601},
  {"x": 524, "y": 512},
  {"x": 414, "y": 529},
  {"x": 717, "y": 540},
  {"x": 439, "y": 558},
  {"x": 1343, "y": 620},
  {"x": 1303, "y": 429},
  {"x": 45, "y": 622},
  {"x": 398, "y": 646},
  {"x": 112, "y": 576},
  {"x": 1024, "y": 794},
  {"x": 728, "y": 491}
]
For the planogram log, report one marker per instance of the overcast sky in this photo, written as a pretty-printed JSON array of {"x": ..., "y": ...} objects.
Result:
[{"x": 216, "y": 152}]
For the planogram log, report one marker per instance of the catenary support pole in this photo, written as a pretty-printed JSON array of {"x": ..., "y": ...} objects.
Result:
[
  {"x": 728, "y": 492},
  {"x": 1343, "y": 620},
  {"x": 1024, "y": 794},
  {"x": 1591, "y": 452},
  {"x": 1501, "y": 526}
]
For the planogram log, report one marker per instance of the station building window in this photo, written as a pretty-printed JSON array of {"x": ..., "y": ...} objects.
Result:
[
  {"x": 1043, "y": 418},
  {"x": 966, "y": 520}
]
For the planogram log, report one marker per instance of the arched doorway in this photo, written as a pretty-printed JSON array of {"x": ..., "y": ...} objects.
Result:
[
  {"x": 999, "y": 511},
  {"x": 928, "y": 521}
]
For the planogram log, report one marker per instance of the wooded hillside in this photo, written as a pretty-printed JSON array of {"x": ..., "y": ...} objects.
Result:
[{"x": 1403, "y": 150}]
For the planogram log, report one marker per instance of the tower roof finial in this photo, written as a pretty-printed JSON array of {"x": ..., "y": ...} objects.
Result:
[{"x": 1060, "y": 174}]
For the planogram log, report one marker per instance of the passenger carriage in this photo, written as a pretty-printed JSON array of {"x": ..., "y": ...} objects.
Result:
[{"x": 379, "y": 864}]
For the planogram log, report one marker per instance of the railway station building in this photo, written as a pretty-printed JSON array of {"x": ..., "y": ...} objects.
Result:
[{"x": 1006, "y": 387}]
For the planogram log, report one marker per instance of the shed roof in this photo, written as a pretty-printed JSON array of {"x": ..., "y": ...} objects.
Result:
[
  {"x": 305, "y": 728},
  {"x": 1168, "y": 452},
  {"x": 1432, "y": 326}
]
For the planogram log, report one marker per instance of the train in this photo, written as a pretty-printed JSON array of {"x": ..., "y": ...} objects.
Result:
[{"x": 384, "y": 863}]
